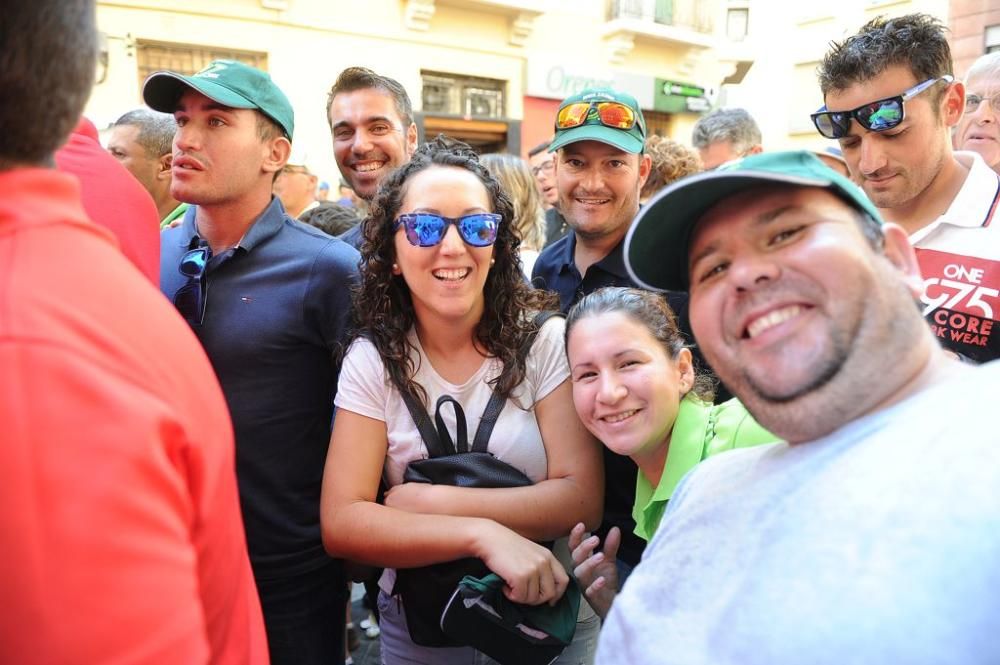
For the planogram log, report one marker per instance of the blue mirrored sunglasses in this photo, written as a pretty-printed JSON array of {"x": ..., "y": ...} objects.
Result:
[
  {"x": 876, "y": 116},
  {"x": 424, "y": 229},
  {"x": 190, "y": 299}
]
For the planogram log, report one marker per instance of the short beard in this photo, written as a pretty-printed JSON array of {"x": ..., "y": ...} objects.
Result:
[{"x": 826, "y": 373}]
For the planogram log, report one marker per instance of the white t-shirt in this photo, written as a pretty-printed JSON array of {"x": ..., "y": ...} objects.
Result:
[
  {"x": 364, "y": 388},
  {"x": 878, "y": 543}
]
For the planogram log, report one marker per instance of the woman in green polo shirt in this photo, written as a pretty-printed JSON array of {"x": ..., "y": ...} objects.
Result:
[{"x": 635, "y": 389}]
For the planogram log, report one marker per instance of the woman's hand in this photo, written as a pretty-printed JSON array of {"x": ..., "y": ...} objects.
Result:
[
  {"x": 597, "y": 573},
  {"x": 532, "y": 574}
]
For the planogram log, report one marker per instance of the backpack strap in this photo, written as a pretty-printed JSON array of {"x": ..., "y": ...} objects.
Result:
[
  {"x": 481, "y": 441},
  {"x": 461, "y": 444},
  {"x": 424, "y": 425}
]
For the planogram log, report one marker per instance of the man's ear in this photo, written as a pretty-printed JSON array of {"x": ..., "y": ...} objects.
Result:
[
  {"x": 953, "y": 104},
  {"x": 645, "y": 165},
  {"x": 163, "y": 166},
  {"x": 279, "y": 149},
  {"x": 900, "y": 253},
  {"x": 411, "y": 139}
]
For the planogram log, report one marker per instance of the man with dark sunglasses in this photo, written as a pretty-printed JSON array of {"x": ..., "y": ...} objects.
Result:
[
  {"x": 269, "y": 299},
  {"x": 890, "y": 100}
]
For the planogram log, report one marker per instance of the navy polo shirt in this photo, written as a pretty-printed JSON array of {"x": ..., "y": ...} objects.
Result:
[
  {"x": 354, "y": 236},
  {"x": 277, "y": 309},
  {"x": 555, "y": 270}
]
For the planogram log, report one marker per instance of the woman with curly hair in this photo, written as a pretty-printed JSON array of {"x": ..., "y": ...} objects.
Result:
[
  {"x": 443, "y": 309},
  {"x": 671, "y": 162}
]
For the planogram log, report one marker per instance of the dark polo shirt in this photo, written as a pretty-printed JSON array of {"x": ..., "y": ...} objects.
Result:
[
  {"x": 278, "y": 305},
  {"x": 354, "y": 236},
  {"x": 556, "y": 271}
]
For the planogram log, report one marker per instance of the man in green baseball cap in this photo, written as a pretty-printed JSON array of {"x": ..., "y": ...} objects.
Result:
[
  {"x": 268, "y": 298},
  {"x": 599, "y": 169},
  {"x": 228, "y": 82},
  {"x": 656, "y": 247},
  {"x": 805, "y": 304}
]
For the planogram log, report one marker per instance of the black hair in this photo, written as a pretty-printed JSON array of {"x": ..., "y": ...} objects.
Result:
[
  {"x": 382, "y": 302},
  {"x": 647, "y": 309},
  {"x": 47, "y": 66},
  {"x": 916, "y": 41}
]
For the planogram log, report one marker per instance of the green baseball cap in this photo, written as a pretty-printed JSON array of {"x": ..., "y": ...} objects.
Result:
[
  {"x": 657, "y": 243},
  {"x": 630, "y": 140},
  {"x": 228, "y": 82}
]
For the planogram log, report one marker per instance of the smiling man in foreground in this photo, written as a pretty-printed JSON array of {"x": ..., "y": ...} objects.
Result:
[{"x": 871, "y": 536}]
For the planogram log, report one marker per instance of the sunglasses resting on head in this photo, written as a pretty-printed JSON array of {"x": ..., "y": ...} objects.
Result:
[
  {"x": 610, "y": 114},
  {"x": 424, "y": 229},
  {"x": 876, "y": 116}
]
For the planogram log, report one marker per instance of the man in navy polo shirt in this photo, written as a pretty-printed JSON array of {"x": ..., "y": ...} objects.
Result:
[
  {"x": 268, "y": 298},
  {"x": 599, "y": 169}
]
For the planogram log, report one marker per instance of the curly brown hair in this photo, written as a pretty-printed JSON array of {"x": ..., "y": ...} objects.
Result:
[
  {"x": 671, "y": 161},
  {"x": 382, "y": 302}
]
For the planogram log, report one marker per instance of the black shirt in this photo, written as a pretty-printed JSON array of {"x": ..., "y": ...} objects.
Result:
[{"x": 555, "y": 226}]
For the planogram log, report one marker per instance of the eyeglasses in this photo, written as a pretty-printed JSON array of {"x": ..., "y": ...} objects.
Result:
[
  {"x": 972, "y": 102},
  {"x": 291, "y": 170},
  {"x": 611, "y": 114},
  {"x": 190, "y": 299},
  {"x": 876, "y": 116},
  {"x": 544, "y": 167},
  {"x": 426, "y": 230}
]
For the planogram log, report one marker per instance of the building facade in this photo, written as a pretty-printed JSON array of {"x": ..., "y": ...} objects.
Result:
[
  {"x": 975, "y": 31},
  {"x": 491, "y": 72}
]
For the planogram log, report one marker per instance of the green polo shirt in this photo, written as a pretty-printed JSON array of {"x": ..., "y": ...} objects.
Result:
[
  {"x": 700, "y": 431},
  {"x": 174, "y": 214}
]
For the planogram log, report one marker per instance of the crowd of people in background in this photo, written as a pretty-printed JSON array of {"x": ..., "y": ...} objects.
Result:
[{"x": 747, "y": 390}]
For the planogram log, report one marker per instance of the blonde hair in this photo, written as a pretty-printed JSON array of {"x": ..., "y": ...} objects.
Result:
[
  {"x": 671, "y": 161},
  {"x": 516, "y": 181}
]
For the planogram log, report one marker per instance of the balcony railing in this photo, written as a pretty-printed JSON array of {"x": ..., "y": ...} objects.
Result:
[{"x": 691, "y": 14}]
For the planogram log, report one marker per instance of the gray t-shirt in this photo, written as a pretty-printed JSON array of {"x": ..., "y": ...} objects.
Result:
[{"x": 879, "y": 543}]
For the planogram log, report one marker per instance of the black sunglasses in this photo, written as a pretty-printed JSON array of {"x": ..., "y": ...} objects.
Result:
[
  {"x": 424, "y": 229},
  {"x": 876, "y": 116},
  {"x": 190, "y": 299}
]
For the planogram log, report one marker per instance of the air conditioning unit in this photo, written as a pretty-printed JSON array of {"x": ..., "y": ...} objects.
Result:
[{"x": 483, "y": 103}]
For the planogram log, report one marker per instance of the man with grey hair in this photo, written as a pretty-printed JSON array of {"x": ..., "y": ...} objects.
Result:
[
  {"x": 724, "y": 135},
  {"x": 141, "y": 141},
  {"x": 979, "y": 129}
]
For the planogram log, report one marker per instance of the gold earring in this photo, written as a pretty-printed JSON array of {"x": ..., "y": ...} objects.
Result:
[
  {"x": 395, "y": 267},
  {"x": 493, "y": 262}
]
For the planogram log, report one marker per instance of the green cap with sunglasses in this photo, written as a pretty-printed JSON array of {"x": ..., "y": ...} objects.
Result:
[
  {"x": 656, "y": 246},
  {"x": 600, "y": 114},
  {"x": 228, "y": 82}
]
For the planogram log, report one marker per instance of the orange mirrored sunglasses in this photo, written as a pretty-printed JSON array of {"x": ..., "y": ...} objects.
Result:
[{"x": 611, "y": 114}]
